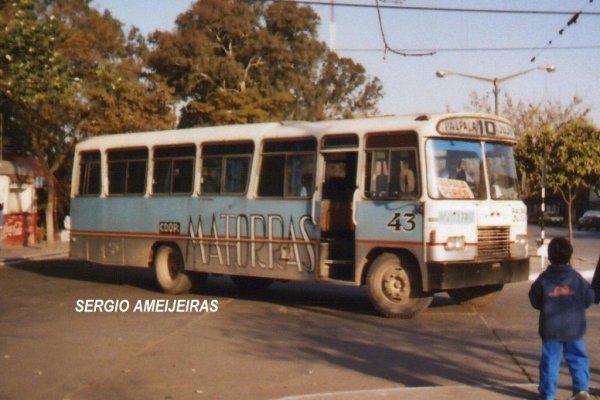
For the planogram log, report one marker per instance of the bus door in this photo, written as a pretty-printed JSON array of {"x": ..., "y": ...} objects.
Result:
[
  {"x": 387, "y": 211},
  {"x": 336, "y": 219}
]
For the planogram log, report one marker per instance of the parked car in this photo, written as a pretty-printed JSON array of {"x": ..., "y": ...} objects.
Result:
[
  {"x": 589, "y": 219},
  {"x": 552, "y": 218}
]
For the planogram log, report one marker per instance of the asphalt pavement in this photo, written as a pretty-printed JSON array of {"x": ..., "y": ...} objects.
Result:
[{"x": 43, "y": 251}]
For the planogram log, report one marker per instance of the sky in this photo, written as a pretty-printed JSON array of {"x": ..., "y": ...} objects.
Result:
[{"x": 489, "y": 45}]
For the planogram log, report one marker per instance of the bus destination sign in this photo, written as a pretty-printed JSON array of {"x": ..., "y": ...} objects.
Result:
[{"x": 474, "y": 126}]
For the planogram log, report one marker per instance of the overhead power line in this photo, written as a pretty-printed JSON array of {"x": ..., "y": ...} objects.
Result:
[
  {"x": 437, "y": 9},
  {"x": 571, "y": 21},
  {"x": 473, "y": 49},
  {"x": 387, "y": 47}
]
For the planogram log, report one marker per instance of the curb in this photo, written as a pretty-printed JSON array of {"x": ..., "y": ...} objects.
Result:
[
  {"x": 33, "y": 256},
  {"x": 451, "y": 392}
]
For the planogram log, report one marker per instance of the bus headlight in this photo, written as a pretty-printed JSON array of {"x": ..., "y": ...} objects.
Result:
[
  {"x": 522, "y": 240},
  {"x": 455, "y": 243},
  {"x": 520, "y": 247}
]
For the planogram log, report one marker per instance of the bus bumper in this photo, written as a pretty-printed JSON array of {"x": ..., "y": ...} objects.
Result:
[{"x": 455, "y": 275}]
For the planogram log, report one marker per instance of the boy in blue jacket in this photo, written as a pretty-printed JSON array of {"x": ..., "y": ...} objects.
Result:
[{"x": 562, "y": 295}]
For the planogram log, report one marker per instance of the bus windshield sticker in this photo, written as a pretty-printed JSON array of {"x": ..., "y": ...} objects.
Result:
[{"x": 454, "y": 189}]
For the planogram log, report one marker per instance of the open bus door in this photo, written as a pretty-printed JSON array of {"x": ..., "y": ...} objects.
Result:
[{"x": 336, "y": 223}]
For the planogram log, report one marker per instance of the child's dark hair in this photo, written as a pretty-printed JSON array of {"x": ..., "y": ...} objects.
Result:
[{"x": 560, "y": 251}]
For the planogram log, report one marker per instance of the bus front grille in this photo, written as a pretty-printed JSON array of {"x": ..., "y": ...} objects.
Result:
[{"x": 493, "y": 243}]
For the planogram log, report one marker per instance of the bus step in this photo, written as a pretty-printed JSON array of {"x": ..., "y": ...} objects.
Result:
[
  {"x": 339, "y": 269},
  {"x": 339, "y": 262}
]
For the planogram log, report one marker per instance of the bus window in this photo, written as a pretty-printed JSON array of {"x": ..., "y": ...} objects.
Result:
[
  {"x": 127, "y": 171},
  {"x": 173, "y": 170},
  {"x": 455, "y": 170},
  {"x": 502, "y": 171},
  {"x": 391, "y": 165},
  {"x": 89, "y": 174},
  {"x": 226, "y": 168},
  {"x": 287, "y": 169},
  {"x": 391, "y": 174}
]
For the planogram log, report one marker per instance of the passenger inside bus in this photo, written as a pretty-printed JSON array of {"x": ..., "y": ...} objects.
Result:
[
  {"x": 407, "y": 178},
  {"x": 307, "y": 184},
  {"x": 381, "y": 179},
  {"x": 210, "y": 181}
]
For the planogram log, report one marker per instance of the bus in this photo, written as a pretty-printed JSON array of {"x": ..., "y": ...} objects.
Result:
[{"x": 408, "y": 206}]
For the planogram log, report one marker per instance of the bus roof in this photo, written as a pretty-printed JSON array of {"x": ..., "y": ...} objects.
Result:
[{"x": 467, "y": 125}]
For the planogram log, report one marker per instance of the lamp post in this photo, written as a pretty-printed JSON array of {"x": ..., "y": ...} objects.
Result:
[
  {"x": 542, "y": 245},
  {"x": 495, "y": 81}
]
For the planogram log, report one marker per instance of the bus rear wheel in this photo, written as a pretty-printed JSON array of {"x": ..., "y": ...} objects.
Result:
[
  {"x": 170, "y": 271},
  {"x": 479, "y": 296},
  {"x": 394, "y": 289}
]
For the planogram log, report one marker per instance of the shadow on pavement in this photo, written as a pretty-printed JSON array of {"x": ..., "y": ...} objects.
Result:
[{"x": 292, "y": 294}]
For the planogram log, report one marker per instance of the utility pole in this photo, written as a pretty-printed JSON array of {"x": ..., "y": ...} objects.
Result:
[{"x": 332, "y": 26}]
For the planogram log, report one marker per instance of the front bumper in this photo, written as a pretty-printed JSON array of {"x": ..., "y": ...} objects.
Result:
[{"x": 455, "y": 275}]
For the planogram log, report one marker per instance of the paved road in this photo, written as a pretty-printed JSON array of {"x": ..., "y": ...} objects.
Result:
[{"x": 295, "y": 341}]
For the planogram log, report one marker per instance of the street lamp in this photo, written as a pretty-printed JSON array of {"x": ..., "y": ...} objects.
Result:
[{"x": 496, "y": 81}]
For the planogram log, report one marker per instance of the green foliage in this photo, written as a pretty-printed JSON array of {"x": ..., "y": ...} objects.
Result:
[
  {"x": 529, "y": 116},
  {"x": 247, "y": 61},
  {"x": 68, "y": 72},
  {"x": 560, "y": 134},
  {"x": 570, "y": 154}
]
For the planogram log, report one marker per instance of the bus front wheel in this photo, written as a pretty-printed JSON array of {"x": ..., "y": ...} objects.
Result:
[
  {"x": 394, "y": 289},
  {"x": 169, "y": 269}
]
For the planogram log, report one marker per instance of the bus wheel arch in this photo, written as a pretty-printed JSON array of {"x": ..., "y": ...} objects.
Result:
[
  {"x": 394, "y": 284},
  {"x": 169, "y": 269}
]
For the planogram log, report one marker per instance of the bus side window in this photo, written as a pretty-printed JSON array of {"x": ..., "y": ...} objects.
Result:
[
  {"x": 127, "y": 171},
  {"x": 226, "y": 168},
  {"x": 404, "y": 169},
  {"x": 287, "y": 169},
  {"x": 391, "y": 174},
  {"x": 173, "y": 170},
  {"x": 89, "y": 174}
]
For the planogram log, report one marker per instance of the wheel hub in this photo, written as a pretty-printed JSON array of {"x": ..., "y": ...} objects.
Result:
[
  {"x": 174, "y": 267},
  {"x": 396, "y": 285}
]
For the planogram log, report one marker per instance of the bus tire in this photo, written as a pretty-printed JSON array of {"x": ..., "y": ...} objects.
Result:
[
  {"x": 394, "y": 289},
  {"x": 479, "y": 296},
  {"x": 170, "y": 270}
]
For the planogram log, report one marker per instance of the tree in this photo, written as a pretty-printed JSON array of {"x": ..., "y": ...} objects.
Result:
[
  {"x": 562, "y": 134},
  {"x": 69, "y": 72},
  {"x": 532, "y": 116},
  {"x": 570, "y": 155},
  {"x": 240, "y": 61}
]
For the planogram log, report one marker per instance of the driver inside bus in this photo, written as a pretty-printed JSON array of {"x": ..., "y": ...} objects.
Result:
[{"x": 462, "y": 174}]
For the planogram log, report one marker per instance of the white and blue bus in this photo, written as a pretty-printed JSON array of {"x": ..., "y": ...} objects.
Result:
[{"x": 407, "y": 205}]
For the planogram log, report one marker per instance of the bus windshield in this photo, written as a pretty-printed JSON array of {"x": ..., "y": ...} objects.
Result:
[
  {"x": 502, "y": 171},
  {"x": 456, "y": 170}
]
